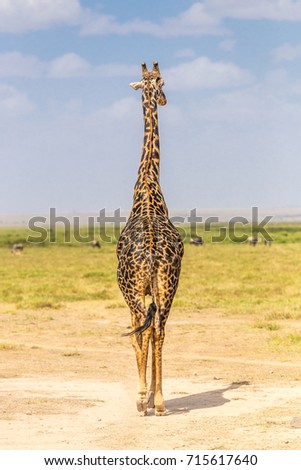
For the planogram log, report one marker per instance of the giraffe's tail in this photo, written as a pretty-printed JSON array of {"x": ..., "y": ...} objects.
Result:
[{"x": 147, "y": 323}]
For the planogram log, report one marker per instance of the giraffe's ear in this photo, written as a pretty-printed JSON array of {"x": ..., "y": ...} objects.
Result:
[{"x": 136, "y": 85}]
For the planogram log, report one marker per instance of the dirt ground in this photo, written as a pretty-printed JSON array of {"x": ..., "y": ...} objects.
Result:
[{"x": 68, "y": 381}]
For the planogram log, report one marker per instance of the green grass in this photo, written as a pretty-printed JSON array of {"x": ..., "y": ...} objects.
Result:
[
  {"x": 235, "y": 278},
  {"x": 49, "y": 277},
  {"x": 290, "y": 342},
  {"x": 261, "y": 284},
  {"x": 267, "y": 325}
]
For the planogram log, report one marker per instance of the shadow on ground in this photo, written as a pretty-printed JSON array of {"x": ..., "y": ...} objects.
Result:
[{"x": 202, "y": 400}]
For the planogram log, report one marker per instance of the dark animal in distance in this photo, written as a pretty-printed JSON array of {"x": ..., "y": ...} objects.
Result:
[
  {"x": 198, "y": 241},
  {"x": 17, "y": 248},
  {"x": 253, "y": 240},
  {"x": 95, "y": 244}
]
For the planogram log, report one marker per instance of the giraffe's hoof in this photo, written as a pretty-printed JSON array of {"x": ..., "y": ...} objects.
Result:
[
  {"x": 160, "y": 410},
  {"x": 151, "y": 400},
  {"x": 142, "y": 407}
]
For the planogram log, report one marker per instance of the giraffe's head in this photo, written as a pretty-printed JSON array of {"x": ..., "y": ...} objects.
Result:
[{"x": 152, "y": 84}]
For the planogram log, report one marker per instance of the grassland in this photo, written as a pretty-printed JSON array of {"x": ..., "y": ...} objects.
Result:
[{"x": 260, "y": 282}]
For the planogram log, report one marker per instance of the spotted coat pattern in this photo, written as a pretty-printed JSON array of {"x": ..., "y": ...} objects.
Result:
[{"x": 149, "y": 251}]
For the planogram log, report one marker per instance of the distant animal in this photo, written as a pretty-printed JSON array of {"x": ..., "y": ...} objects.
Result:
[
  {"x": 95, "y": 244},
  {"x": 253, "y": 240},
  {"x": 267, "y": 242},
  {"x": 17, "y": 248},
  {"x": 198, "y": 241}
]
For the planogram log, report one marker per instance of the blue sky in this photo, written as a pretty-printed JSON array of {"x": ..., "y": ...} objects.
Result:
[{"x": 71, "y": 127}]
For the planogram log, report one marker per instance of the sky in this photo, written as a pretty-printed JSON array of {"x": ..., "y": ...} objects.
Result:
[{"x": 71, "y": 127}]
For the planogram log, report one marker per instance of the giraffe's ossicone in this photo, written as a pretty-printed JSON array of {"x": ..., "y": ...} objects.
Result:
[{"x": 149, "y": 251}]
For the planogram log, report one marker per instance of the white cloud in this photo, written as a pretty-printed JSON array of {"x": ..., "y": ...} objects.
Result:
[
  {"x": 14, "y": 64},
  {"x": 255, "y": 9},
  {"x": 227, "y": 45},
  {"x": 202, "y": 73},
  {"x": 201, "y": 18},
  {"x": 117, "y": 70},
  {"x": 13, "y": 103},
  {"x": 69, "y": 65},
  {"x": 185, "y": 53},
  {"x": 195, "y": 21},
  {"x": 123, "y": 108},
  {"x": 72, "y": 65},
  {"x": 287, "y": 52},
  {"x": 93, "y": 23},
  {"x": 27, "y": 15}
]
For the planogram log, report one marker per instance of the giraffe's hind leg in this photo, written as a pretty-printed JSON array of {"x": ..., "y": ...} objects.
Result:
[
  {"x": 155, "y": 392},
  {"x": 152, "y": 389},
  {"x": 158, "y": 341},
  {"x": 165, "y": 294},
  {"x": 140, "y": 343}
]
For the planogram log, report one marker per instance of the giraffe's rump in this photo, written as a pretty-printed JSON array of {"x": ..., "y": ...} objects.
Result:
[{"x": 150, "y": 252}]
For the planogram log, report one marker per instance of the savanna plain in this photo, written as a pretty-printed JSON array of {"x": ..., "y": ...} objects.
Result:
[{"x": 231, "y": 358}]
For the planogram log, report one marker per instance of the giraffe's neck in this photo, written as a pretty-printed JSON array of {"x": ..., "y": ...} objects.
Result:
[{"x": 148, "y": 198}]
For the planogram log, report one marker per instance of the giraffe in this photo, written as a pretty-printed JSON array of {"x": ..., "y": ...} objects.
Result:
[{"x": 149, "y": 252}]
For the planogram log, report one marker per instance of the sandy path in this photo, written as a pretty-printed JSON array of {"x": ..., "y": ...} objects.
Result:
[{"x": 76, "y": 390}]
